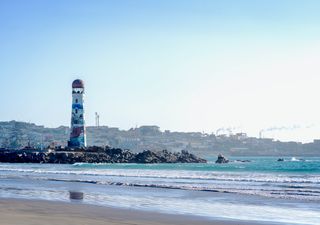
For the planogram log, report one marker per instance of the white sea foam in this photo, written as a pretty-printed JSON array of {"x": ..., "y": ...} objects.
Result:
[
  {"x": 178, "y": 174},
  {"x": 265, "y": 184},
  {"x": 145, "y": 187}
]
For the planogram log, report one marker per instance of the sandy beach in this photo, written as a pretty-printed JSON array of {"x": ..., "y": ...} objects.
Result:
[
  {"x": 111, "y": 195},
  {"x": 34, "y": 212}
]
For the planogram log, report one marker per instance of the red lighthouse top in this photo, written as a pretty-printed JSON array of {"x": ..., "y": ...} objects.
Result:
[{"x": 77, "y": 84}]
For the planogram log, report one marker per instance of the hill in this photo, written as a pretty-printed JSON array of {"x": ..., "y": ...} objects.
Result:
[{"x": 16, "y": 135}]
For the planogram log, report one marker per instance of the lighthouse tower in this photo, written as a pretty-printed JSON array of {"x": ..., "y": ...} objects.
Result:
[{"x": 78, "y": 129}]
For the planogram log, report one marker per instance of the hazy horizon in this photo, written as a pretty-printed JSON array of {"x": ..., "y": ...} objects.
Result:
[{"x": 181, "y": 65}]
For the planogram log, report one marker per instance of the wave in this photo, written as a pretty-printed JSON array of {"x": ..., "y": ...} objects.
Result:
[
  {"x": 181, "y": 175},
  {"x": 307, "y": 194},
  {"x": 278, "y": 185}
]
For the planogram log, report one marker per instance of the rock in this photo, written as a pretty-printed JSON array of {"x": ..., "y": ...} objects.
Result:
[
  {"x": 280, "y": 160},
  {"x": 76, "y": 195},
  {"x": 97, "y": 155},
  {"x": 242, "y": 161},
  {"x": 222, "y": 159},
  {"x": 147, "y": 157},
  {"x": 167, "y": 157},
  {"x": 186, "y": 157}
]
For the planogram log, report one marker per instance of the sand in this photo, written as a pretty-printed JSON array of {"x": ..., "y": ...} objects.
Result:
[{"x": 34, "y": 212}]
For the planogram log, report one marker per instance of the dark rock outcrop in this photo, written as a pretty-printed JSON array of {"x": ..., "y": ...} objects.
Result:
[
  {"x": 96, "y": 155},
  {"x": 241, "y": 160},
  {"x": 167, "y": 157},
  {"x": 222, "y": 159}
]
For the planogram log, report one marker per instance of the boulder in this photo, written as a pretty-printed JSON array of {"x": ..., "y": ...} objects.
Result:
[
  {"x": 222, "y": 159},
  {"x": 242, "y": 160}
]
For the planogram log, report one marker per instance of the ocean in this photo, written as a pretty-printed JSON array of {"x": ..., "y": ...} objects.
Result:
[{"x": 260, "y": 190}]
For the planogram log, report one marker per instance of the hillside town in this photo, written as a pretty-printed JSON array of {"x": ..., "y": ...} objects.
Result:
[{"x": 17, "y": 135}]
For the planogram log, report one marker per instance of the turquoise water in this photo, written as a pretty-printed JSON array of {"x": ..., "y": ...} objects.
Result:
[
  {"x": 262, "y": 189},
  {"x": 257, "y": 164}
]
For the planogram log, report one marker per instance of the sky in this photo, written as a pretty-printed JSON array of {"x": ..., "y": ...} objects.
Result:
[{"x": 199, "y": 65}]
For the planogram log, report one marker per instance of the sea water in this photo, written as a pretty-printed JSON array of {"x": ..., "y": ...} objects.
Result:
[{"x": 261, "y": 190}]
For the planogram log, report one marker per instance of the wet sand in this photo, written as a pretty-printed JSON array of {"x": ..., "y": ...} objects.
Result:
[{"x": 34, "y": 212}]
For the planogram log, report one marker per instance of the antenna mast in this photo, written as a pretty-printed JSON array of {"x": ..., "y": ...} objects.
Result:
[{"x": 97, "y": 119}]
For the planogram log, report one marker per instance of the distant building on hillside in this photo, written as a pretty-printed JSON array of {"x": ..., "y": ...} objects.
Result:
[{"x": 149, "y": 130}]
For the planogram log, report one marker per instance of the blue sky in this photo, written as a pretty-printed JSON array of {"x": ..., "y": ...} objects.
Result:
[{"x": 183, "y": 65}]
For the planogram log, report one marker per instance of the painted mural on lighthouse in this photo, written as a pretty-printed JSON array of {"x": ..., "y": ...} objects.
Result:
[{"x": 78, "y": 129}]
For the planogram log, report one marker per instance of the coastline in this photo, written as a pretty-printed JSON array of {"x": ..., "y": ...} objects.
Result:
[
  {"x": 198, "y": 191},
  {"x": 34, "y": 212}
]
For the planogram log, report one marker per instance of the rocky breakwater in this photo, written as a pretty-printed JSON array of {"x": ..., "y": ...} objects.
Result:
[{"x": 96, "y": 155}]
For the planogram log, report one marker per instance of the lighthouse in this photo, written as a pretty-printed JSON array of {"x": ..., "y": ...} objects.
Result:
[{"x": 78, "y": 129}]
